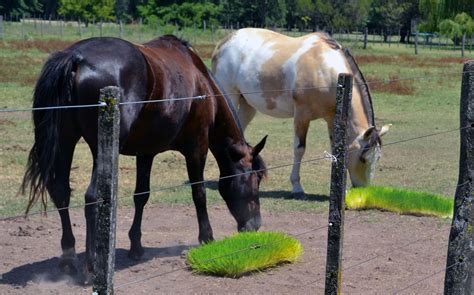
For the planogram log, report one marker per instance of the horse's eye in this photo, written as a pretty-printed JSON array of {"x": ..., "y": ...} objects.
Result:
[{"x": 363, "y": 160}]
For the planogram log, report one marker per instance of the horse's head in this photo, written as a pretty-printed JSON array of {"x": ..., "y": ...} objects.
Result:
[
  {"x": 240, "y": 192},
  {"x": 363, "y": 154}
]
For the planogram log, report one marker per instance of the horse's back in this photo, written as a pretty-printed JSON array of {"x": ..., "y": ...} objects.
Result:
[
  {"x": 161, "y": 69},
  {"x": 265, "y": 62}
]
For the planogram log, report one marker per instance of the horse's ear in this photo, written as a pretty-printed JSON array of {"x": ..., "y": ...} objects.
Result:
[
  {"x": 368, "y": 132},
  {"x": 259, "y": 147},
  {"x": 384, "y": 129}
]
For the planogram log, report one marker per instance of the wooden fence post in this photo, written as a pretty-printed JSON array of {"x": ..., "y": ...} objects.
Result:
[
  {"x": 366, "y": 35},
  {"x": 460, "y": 264},
  {"x": 1, "y": 27},
  {"x": 338, "y": 186},
  {"x": 107, "y": 181}
]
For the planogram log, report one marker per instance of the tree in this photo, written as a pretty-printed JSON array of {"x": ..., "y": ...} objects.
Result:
[
  {"x": 431, "y": 14},
  {"x": 49, "y": 7},
  {"x": 305, "y": 13},
  {"x": 452, "y": 8},
  {"x": 87, "y": 10},
  {"x": 386, "y": 15},
  {"x": 457, "y": 28},
  {"x": 21, "y": 7},
  {"x": 185, "y": 15}
]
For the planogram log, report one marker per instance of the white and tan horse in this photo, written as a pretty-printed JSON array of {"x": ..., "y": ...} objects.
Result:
[{"x": 252, "y": 65}]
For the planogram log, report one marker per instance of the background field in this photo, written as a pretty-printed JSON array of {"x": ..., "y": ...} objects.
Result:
[{"x": 423, "y": 98}]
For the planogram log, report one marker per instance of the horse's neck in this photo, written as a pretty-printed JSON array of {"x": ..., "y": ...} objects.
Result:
[{"x": 225, "y": 133}]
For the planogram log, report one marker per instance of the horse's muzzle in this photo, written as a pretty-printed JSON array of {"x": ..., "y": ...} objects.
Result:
[{"x": 252, "y": 224}]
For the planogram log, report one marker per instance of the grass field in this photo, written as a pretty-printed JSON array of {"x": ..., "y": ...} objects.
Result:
[{"x": 426, "y": 104}]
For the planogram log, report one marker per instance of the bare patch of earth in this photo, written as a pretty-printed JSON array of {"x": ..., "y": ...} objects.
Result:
[{"x": 383, "y": 253}]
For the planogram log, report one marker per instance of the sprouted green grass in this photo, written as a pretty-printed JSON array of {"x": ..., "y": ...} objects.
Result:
[
  {"x": 399, "y": 200},
  {"x": 243, "y": 253}
]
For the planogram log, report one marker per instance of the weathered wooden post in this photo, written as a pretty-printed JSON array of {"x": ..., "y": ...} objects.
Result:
[
  {"x": 100, "y": 28},
  {"x": 1, "y": 27},
  {"x": 338, "y": 186},
  {"x": 416, "y": 42},
  {"x": 366, "y": 35},
  {"x": 107, "y": 181},
  {"x": 460, "y": 264}
]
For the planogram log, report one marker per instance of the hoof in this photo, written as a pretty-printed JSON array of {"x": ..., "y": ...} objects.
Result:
[
  {"x": 135, "y": 254},
  {"x": 205, "y": 240},
  {"x": 88, "y": 275},
  {"x": 184, "y": 253},
  {"x": 67, "y": 266},
  {"x": 299, "y": 196}
]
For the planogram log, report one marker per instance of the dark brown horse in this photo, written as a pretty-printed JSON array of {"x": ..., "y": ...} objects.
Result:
[{"x": 162, "y": 69}]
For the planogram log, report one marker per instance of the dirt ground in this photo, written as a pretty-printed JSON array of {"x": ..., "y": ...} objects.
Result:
[{"x": 383, "y": 253}]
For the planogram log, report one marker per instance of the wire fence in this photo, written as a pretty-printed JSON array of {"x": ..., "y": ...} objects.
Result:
[
  {"x": 21, "y": 28},
  {"x": 326, "y": 156}
]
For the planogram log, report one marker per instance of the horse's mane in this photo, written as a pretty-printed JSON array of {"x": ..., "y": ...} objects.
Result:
[
  {"x": 329, "y": 40},
  {"x": 230, "y": 105},
  {"x": 363, "y": 87}
]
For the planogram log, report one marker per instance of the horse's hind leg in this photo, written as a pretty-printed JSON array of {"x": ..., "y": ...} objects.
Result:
[
  {"x": 90, "y": 210},
  {"x": 142, "y": 193},
  {"x": 301, "y": 129},
  {"x": 60, "y": 193}
]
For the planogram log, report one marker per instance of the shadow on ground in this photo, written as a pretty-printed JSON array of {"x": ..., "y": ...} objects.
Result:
[
  {"x": 48, "y": 270},
  {"x": 213, "y": 185}
]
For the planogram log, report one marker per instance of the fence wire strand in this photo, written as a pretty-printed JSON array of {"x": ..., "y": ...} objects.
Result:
[
  {"x": 427, "y": 277},
  {"x": 326, "y": 156},
  {"x": 201, "y": 97}
]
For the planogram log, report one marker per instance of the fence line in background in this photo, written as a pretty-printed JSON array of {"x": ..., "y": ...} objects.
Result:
[
  {"x": 30, "y": 28},
  {"x": 201, "y": 97}
]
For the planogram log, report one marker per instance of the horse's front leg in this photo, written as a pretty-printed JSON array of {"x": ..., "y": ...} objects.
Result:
[
  {"x": 91, "y": 224},
  {"x": 142, "y": 193},
  {"x": 195, "y": 162},
  {"x": 301, "y": 130}
]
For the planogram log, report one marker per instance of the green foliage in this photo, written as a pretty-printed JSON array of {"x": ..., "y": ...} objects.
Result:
[
  {"x": 441, "y": 15},
  {"x": 400, "y": 201},
  {"x": 431, "y": 13},
  {"x": 254, "y": 13},
  {"x": 185, "y": 15},
  {"x": 87, "y": 10},
  {"x": 387, "y": 15},
  {"x": 457, "y": 27},
  {"x": 450, "y": 8},
  {"x": 21, "y": 7},
  {"x": 243, "y": 253}
]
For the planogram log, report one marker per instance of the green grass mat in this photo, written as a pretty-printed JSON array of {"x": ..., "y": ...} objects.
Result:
[
  {"x": 243, "y": 253},
  {"x": 400, "y": 201}
]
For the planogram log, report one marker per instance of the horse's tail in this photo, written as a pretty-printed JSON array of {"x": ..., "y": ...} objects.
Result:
[{"x": 53, "y": 88}]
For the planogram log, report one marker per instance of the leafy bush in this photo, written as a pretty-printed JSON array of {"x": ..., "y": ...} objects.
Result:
[{"x": 184, "y": 15}]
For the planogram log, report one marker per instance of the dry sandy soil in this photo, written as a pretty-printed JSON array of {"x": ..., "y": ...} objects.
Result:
[{"x": 383, "y": 253}]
